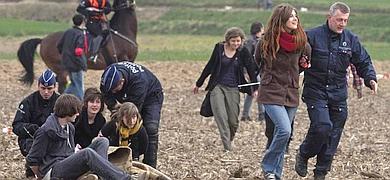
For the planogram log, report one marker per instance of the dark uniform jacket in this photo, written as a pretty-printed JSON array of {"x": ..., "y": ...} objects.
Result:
[
  {"x": 32, "y": 112},
  {"x": 138, "y": 142},
  {"x": 280, "y": 77},
  {"x": 52, "y": 144},
  {"x": 140, "y": 86},
  {"x": 331, "y": 55},
  {"x": 86, "y": 132},
  {"x": 94, "y": 11},
  {"x": 213, "y": 68},
  {"x": 72, "y": 39}
]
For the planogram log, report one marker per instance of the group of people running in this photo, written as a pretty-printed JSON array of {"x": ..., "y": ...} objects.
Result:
[
  {"x": 323, "y": 53},
  {"x": 64, "y": 136}
]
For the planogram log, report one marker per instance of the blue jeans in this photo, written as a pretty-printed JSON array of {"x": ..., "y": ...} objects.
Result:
[
  {"x": 248, "y": 103},
  {"x": 326, "y": 127},
  {"x": 247, "y": 107},
  {"x": 92, "y": 158},
  {"x": 282, "y": 117},
  {"x": 76, "y": 86}
]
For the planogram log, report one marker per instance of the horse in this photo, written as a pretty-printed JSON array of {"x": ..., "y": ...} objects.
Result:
[{"x": 122, "y": 47}]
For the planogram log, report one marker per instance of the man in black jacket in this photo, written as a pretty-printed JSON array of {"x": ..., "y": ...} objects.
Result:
[
  {"x": 72, "y": 47},
  {"x": 95, "y": 11},
  {"x": 130, "y": 82},
  {"x": 33, "y": 111}
]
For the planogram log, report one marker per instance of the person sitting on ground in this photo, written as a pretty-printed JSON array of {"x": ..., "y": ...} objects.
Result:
[
  {"x": 91, "y": 119},
  {"x": 53, "y": 152},
  {"x": 95, "y": 11},
  {"x": 125, "y": 129},
  {"x": 33, "y": 111}
]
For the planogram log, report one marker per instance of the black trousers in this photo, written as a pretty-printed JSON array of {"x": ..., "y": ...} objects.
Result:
[{"x": 151, "y": 113}]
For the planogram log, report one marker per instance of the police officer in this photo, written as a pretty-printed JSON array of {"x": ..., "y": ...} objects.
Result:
[
  {"x": 95, "y": 11},
  {"x": 325, "y": 88},
  {"x": 130, "y": 82},
  {"x": 33, "y": 111}
]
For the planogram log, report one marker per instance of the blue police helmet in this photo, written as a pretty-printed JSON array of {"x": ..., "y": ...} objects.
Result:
[
  {"x": 47, "y": 78},
  {"x": 110, "y": 79}
]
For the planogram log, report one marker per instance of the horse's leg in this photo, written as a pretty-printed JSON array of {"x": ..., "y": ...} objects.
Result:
[{"x": 62, "y": 81}]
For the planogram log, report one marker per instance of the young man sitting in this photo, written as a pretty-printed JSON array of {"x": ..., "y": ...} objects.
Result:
[{"x": 53, "y": 151}]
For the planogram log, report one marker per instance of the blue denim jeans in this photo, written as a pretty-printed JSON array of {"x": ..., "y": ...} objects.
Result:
[
  {"x": 92, "y": 158},
  {"x": 248, "y": 104},
  {"x": 247, "y": 107},
  {"x": 282, "y": 117},
  {"x": 76, "y": 86}
]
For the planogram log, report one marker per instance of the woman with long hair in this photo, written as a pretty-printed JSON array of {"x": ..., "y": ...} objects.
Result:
[
  {"x": 125, "y": 129},
  {"x": 283, "y": 45}
]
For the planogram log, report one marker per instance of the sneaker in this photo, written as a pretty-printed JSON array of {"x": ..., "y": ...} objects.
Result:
[
  {"x": 269, "y": 176},
  {"x": 300, "y": 165},
  {"x": 319, "y": 176},
  {"x": 89, "y": 177}
]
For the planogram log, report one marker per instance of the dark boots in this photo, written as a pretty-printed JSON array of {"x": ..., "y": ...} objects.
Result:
[
  {"x": 95, "y": 46},
  {"x": 301, "y": 165}
]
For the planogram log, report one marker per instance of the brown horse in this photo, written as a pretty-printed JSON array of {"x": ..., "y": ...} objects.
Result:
[{"x": 122, "y": 47}]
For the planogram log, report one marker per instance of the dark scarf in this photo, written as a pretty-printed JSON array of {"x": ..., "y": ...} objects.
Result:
[{"x": 287, "y": 42}]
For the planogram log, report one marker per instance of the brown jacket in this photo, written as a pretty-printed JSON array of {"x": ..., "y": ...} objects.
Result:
[{"x": 280, "y": 77}]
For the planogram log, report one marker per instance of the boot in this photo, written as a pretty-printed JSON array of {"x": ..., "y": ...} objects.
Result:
[
  {"x": 319, "y": 176},
  {"x": 28, "y": 173},
  {"x": 96, "y": 46},
  {"x": 301, "y": 165}
]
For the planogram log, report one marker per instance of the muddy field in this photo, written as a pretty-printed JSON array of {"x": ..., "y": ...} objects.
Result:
[{"x": 190, "y": 146}]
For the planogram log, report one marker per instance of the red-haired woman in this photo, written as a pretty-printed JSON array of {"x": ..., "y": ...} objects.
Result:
[{"x": 279, "y": 52}]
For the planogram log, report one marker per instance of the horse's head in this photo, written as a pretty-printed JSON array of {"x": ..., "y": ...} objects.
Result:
[{"x": 123, "y": 4}]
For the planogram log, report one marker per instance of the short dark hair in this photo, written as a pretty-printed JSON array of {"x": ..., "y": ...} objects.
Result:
[
  {"x": 256, "y": 27},
  {"x": 78, "y": 19},
  {"x": 92, "y": 94},
  {"x": 67, "y": 105}
]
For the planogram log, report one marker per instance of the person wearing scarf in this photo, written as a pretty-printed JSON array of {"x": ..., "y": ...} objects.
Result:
[
  {"x": 279, "y": 53},
  {"x": 126, "y": 129}
]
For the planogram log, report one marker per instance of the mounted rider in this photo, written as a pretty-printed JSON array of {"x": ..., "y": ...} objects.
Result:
[{"x": 95, "y": 11}]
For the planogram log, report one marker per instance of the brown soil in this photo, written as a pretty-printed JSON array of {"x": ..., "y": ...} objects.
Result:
[{"x": 190, "y": 146}]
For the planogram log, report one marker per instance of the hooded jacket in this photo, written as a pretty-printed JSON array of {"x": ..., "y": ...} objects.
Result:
[{"x": 52, "y": 144}]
